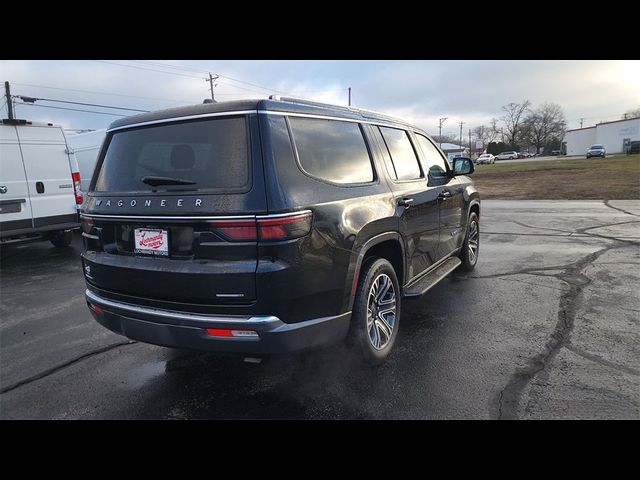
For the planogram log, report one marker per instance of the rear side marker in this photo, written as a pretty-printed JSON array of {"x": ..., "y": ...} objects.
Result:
[
  {"x": 219, "y": 332},
  {"x": 95, "y": 308}
]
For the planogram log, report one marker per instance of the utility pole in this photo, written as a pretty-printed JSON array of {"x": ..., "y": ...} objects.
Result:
[
  {"x": 581, "y": 120},
  {"x": 349, "y": 96},
  {"x": 461, "y": 123},
  {"x": 442, "y": 120},
  {"x": 7, "y": 92},
  {"x": 210, "y": 80},
  {"x": 470, "y": 151}
]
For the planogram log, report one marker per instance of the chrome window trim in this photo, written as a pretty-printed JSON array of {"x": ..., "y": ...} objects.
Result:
[
  {"x": 179, "y": 119},
  {"x": 266, "y": 112},
  {"x": 216, "y": 217}
]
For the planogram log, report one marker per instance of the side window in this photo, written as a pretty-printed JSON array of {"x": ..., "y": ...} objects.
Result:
[
  {"x": 332, "y": 150},
  {"x": 402, "y": 154},
  {"x": 435, "y": 162}
]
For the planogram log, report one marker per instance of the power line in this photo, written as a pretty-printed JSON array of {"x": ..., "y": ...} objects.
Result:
[
  {"x": 99, "y": 93},
  {"x": 22, "y": 97},
  {"x": 189, "y": 76},
  {"x": 72, "y": 109},
  {"x": 205, "y": 72},
  {"x": 149, "y": 69}
]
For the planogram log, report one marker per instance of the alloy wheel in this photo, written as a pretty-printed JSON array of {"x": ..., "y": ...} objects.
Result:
[
  {"x": 474, "y": 240},
  {"x": 381, "y": 311}
]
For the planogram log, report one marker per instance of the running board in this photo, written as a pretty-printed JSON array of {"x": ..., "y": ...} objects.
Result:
[{"x": 432, "y": 278}]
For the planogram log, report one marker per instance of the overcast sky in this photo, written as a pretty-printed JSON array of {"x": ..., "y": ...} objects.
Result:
[{"x": 418, "y": 91}]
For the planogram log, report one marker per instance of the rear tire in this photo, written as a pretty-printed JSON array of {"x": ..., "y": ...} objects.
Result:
[
  {"x": 470, "y": 245},
  {"x": 62, "y": 239},
  {"x": 376, "y": 311}
]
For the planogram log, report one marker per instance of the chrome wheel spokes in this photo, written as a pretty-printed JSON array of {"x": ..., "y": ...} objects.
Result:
[
  {"x": 474, "y": 241},
  {"x": 381, "y": 311}
]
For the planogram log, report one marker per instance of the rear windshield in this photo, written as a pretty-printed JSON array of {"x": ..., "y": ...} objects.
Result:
[{"x": 209, "y": 155}]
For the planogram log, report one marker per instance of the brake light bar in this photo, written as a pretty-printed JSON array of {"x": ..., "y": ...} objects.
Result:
[
  {"x": 267, "y": 228},
  {"x": 76, "y": 188}
]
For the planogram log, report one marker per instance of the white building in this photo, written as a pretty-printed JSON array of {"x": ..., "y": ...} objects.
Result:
[
  {"x": 452, "y": 150},
  {"x": 615, "y": 136}
]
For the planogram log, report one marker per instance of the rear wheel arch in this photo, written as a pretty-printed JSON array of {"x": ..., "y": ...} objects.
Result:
[{"x": 386, "y": 245}]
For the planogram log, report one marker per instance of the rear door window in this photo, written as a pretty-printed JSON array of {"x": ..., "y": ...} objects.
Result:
[
  {"x": 402, "y": 154},
  {"x": 202, "y": 156},
  {"x": 332, "y": 150}
]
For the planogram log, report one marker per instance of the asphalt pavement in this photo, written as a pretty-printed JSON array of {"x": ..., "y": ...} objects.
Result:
[{"x": 546, "y": 326}]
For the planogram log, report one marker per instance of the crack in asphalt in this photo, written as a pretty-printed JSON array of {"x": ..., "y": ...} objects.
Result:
[
  {"x": 522, "y": 224},
  {"x": 567, "y": 311},
  {"x": 601, "y": 361},
  {"x": 62, "y": 366},
  {"x": 608, "y": 204},
  {"x": 569, "y": 304}
]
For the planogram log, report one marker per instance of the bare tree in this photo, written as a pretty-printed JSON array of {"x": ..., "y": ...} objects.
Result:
[
  {"x": 635, "y": 112},
  {"x": 512, "y": 118},
  {"x": 544, "y": 124},
  {"x": 443, "y": 139},
  {"x": 484, "y": 134}
]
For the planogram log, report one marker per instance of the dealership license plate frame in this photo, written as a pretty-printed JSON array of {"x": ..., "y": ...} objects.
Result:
[{"x": 149, "y": 251}]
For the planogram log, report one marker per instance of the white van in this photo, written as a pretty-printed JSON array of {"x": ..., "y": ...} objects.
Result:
[
  {"x": 85, "y": 147},
  {"x": 39, "y": 184}
]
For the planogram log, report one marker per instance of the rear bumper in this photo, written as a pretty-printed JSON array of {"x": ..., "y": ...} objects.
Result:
[{"x": 188, "y": 330}]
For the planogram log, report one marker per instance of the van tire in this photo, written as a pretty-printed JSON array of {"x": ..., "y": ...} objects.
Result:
[
  {"x": 359, "y": 334},
  {"x": 62, "y": 239}
]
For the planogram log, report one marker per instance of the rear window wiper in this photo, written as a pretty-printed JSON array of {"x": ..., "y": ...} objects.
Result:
[{"x": 154, "y": 181}]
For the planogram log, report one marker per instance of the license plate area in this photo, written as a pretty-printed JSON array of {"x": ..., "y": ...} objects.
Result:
[{"x": 151, "y": 241}]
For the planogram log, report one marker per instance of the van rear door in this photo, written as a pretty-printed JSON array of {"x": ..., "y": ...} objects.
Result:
[
  {"x": 172, "y": 213},
  {"x": 48, "y": 171},
  {"x": 15, "y": 204}
]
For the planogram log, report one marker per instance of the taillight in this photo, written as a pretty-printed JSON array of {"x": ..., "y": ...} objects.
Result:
[
  {"x": 76, "y": 188},
  {"x": 284, "y": 227},
  {"x": 268, "y": 228},
  {"x": 236, "y": 230}
]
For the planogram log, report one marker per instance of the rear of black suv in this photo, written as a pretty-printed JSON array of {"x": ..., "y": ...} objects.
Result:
[
  {"x": 182, "y": 248},
  {"x": 261, "y": 227}
]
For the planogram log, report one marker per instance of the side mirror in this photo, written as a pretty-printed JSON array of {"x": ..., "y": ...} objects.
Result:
[{"x": 463, "y": 166}]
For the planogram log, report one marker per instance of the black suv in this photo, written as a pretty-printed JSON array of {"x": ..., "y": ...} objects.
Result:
[{"x": 269, "y": 226}]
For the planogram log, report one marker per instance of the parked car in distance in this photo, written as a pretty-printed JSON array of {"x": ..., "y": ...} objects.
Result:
[
  {"x": 261, "y": 227},
  {"x": 39, "y": 184},
  {"x": 596, "y": 151},
  {"x": 485, "y": 158},
  {"x": 525, "y": 155},
  {"x": 507, "y": 156},
  {"x": 633, "y": 148}
]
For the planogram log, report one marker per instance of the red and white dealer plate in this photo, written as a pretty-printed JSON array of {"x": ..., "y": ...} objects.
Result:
[{"x": 151, "y": 241}]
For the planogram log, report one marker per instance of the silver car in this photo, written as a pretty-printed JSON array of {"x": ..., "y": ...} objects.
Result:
[
  {"x": 507, "y": 156},
  {"x": 596, "y": 151},
  {"x": 486, "y": 158}
]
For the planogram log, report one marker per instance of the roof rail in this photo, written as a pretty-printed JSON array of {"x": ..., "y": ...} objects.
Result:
[
  {"x": 309, "y": 102},
  {"x": 365, "y": 113}
]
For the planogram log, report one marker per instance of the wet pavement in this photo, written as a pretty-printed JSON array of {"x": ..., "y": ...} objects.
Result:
[{"x": 546, "y": 326}]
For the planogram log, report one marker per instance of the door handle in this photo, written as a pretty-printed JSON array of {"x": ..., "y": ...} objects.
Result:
[
  {"x": 39, "y": 187},
  {"x": 405, "y": 202},
  {"x": 444, "y": 195}
]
